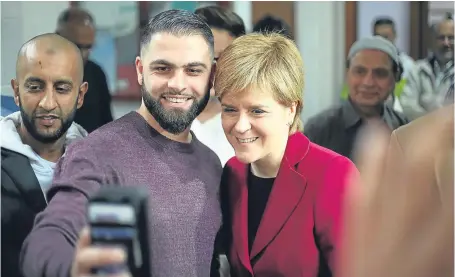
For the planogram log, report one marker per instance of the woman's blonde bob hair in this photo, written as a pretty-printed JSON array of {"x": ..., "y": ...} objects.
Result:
[{"x": 269, "y": 62}]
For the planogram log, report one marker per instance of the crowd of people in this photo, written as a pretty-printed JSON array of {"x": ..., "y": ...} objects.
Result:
[{"x": 238, "y": 185}]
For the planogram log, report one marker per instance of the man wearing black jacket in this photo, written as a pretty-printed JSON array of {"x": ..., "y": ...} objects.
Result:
[
  {"x": 78, "y": 26},
  {"x": 48, "y": 92}
]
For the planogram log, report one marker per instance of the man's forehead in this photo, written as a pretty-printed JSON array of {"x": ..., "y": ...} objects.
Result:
[
  {"x": 47, "y": 66},
  {"x": 47, "y": 49},
  {"x": 446, "y": 27},
  {"x": 178, "y": 49},
  {"x": 371, "y": 56},
  {"x": 41, "y": 71},
  {"x": 77, "y": 32},
  {"x": 45, "y": 57},
  {"x": 384, "y": 27}
]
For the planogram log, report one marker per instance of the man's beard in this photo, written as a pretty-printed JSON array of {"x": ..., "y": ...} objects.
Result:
[
  {"x": 175, "y": 121},
  {"x": 47, "y": 138},
  {"x": 445, "y": 54}
]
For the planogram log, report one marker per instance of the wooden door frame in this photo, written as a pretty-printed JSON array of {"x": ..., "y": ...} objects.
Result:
[
  {"x": 350, "y": 17},
  {"x": 419, "y": 38}
]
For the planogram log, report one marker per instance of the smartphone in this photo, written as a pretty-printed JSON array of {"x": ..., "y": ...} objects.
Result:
[{"x": 118, "y": 218}]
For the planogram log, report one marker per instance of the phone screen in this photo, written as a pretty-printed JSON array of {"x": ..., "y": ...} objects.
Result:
[{"x": 115, "y": 225}]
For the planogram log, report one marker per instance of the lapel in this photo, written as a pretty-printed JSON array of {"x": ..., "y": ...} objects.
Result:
[
  {"x": 286, "y": 193},
  {"x": 24, "y": 180},
  {"x": 240, "y": 212}
]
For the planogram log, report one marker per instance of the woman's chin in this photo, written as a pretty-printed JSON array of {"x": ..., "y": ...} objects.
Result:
[{"x": 246, "y": 158}]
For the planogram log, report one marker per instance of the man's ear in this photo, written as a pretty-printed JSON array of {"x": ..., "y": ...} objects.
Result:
[
  {"x": 139, "y": 70},
  {"x": 81, "y": 94},
  {"x": 15, "y": 87}
]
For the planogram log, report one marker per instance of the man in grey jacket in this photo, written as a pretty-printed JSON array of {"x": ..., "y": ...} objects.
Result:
[
  {"x": 430, "y": 84},
  {"x": 48, "y": 89}
]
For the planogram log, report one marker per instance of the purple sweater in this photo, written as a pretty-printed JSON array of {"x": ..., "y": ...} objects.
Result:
[{"x": 183, "y": 180}]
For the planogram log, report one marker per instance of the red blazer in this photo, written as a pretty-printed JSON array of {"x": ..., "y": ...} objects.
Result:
[{"x": 299, "y": 231}]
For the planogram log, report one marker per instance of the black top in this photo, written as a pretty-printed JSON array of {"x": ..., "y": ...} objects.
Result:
[
  {"x": 96, "y": 110},
  {"x": 337, "y": 127},
  {"x": 258, "y": 194},
  {"x": 21, "y": 200}
]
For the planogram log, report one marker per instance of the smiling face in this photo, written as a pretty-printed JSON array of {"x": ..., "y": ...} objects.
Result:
[
  {"x": 443, "y": 41},
  {"x": 48, "y": 91},
  {"x": 175, "y": 75},
  {"x": 255, "y": 124},
  {"x": 370, "y": 78}
]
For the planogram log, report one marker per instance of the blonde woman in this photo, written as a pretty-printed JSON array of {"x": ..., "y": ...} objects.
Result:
[{"x": 281, "y": 195}]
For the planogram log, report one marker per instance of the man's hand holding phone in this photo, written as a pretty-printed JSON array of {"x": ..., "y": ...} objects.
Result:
[{"x": 88, "y": 257}]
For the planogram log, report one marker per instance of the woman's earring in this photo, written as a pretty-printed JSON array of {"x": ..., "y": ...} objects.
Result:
[{"x": 289, "y": 124}]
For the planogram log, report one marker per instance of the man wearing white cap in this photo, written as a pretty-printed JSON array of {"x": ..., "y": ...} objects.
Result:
[{"x": 373, "y": 68}]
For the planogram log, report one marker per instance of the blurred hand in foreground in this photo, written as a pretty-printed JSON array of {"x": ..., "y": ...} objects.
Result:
[{"x": 394, "y": 225}]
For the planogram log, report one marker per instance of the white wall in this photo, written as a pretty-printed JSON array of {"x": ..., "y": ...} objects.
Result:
[
  {"x": 11, "y": 40},
  {"x": 399, "y": 11},
  {"x": 320, "y": 36},
  {"x": 438, "y": 9},
  {"x": 245, "y": 10},
  {"x": 22, "y": 21}
]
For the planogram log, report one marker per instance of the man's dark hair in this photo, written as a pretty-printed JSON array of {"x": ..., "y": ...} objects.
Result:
[
  {"x": 224, "y": 19},
  {"x": 383, "y": 21},
  {"x": 271, "y": 24},
  {"x": 178, "y": 23}
]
